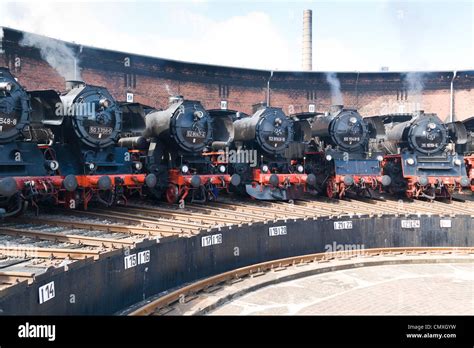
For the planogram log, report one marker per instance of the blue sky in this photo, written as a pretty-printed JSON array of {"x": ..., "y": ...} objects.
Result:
[{"x": 347, "y": 35}]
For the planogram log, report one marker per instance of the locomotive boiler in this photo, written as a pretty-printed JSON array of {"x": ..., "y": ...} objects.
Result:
[
  {"x": 342, "y": 161},
  {"x": 273, "y": 174},
  {"x": 25, "y": 175},
  {"x": 421, "y": 158},
  {"x": 186, "y": 145}
]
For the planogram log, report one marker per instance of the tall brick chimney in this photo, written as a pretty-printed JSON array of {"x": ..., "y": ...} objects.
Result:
[{"x": 307, "y": 40}]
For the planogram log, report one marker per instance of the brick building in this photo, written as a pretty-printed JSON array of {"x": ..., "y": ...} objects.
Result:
[{"x": 151, "y": 80}]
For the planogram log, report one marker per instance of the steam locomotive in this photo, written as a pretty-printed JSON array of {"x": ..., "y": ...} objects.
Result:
[
  {"x": 86, "y": 125},
  {"x": 83, "y": 146},
  {"x": 25, "y": 175},
  {"x": 420, "y": 156},
  {"x": 274, "y": 175},
  {"x": 339, "y": 154},
  {"x": 182, "y": 146}
]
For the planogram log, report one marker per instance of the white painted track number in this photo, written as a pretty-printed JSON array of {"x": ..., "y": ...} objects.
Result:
[
  {"x": 46, "y": 292},
  {"x": 277, "y": 231},
  {"x": 411, "y": 224},
  {"x": 143, "y": 257},
  {"x": 213, "y": 239},
  {"x": 130, "y": 261},
  {"x": 343, "y": 225},
  {"x": 446, "y": 223}
]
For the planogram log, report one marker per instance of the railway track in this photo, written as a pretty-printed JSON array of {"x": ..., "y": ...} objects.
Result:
[
  {"x": 67, "y": 235},
  {"x": 178, "y": 302}
]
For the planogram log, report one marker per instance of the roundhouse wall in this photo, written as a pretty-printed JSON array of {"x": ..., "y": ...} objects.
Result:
[
  {"x": 154, "y": 79},
  {"x": 105, "y": 286}
]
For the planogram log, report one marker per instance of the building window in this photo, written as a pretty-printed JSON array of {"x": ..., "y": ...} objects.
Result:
[
  {"x": 402, "y": 94},
  {"x": 130, "y": 80},
  {"x": 311, "y": 95},
  {"x": 223, "y": 91}
]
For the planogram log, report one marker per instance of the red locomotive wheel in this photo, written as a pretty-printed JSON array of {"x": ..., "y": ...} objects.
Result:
[{"x": 172, "y": 194}]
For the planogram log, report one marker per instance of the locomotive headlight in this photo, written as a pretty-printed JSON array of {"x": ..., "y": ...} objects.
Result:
[
  {"x": 91, "y": 166},
  {"x": 328, "y": 157},
  {"x": 6, "y": 86},
  {"x": 265, "y": 168},
  {"x": 380, "y": 158},
  {"x": 431, "y": 125},
  {"x": 222, "y": 168},
  {"x": 353, "y": 120},
  {"x": 457, "y": 162},
  {"x": 105, "y": 103},
  {"x": 184, "y": 169},
  {"x": 198, "y": 114},
  {"x": 410, "y": 161},
  {"x": 138, "y": 165},
  {"x": 278, "y": 121},
  {"x": 300, "y": 168},
  {"x": 52, "y": 165}
]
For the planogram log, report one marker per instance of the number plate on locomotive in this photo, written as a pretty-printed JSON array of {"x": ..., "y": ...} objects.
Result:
[{"x": 93, "y": 130}]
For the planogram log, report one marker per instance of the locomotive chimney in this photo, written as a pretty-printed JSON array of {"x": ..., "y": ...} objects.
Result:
[
  {"x": 307, "y": 40},
  {"x": 335, "y": 109},
  {"x": 70, "y": 84}
]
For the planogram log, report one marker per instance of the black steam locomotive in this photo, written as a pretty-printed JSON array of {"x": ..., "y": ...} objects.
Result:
[
  {"x": 339, "y": 154},
  {"x": 85, "y": 123},
  {"x": 269, "y": 173},
  {"x": 182, "y": 146},
  {"x": 25, "y": 175},
  {"x": 420, "y": 156},
  {"x": 83, "y": 146}
]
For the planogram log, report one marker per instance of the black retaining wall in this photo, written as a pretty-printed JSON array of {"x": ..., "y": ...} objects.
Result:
[{"x": 104, "y": 286}]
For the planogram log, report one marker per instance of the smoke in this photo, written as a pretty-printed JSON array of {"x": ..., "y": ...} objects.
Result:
[
  {"x": 414, "y": 84},
  {"x": 335, "y": 84},
  {"x": 56, "y": 53},
  {"x": 168, "y": 90},
  {"x": 1, "y": 43}
]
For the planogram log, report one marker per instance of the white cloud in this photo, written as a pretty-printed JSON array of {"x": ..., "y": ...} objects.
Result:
[{"x": 250, "y": 40}]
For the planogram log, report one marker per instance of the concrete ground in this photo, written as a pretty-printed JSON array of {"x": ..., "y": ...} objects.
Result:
[{"x": 405, "y": 289}]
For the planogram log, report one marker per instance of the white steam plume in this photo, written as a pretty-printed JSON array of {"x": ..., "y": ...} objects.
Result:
[
  {"x": 56, "y": 53},
  {"x": 1, "y": 38},
  {"x": 414, "y": 83},
  {"x": 335, "y": 84},
  {"x": 169, "y": 91}
]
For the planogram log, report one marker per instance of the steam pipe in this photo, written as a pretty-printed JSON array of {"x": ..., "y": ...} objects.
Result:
[
  {"x": 268, "y": 89},
  {"x": 451, "y": 115}
]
